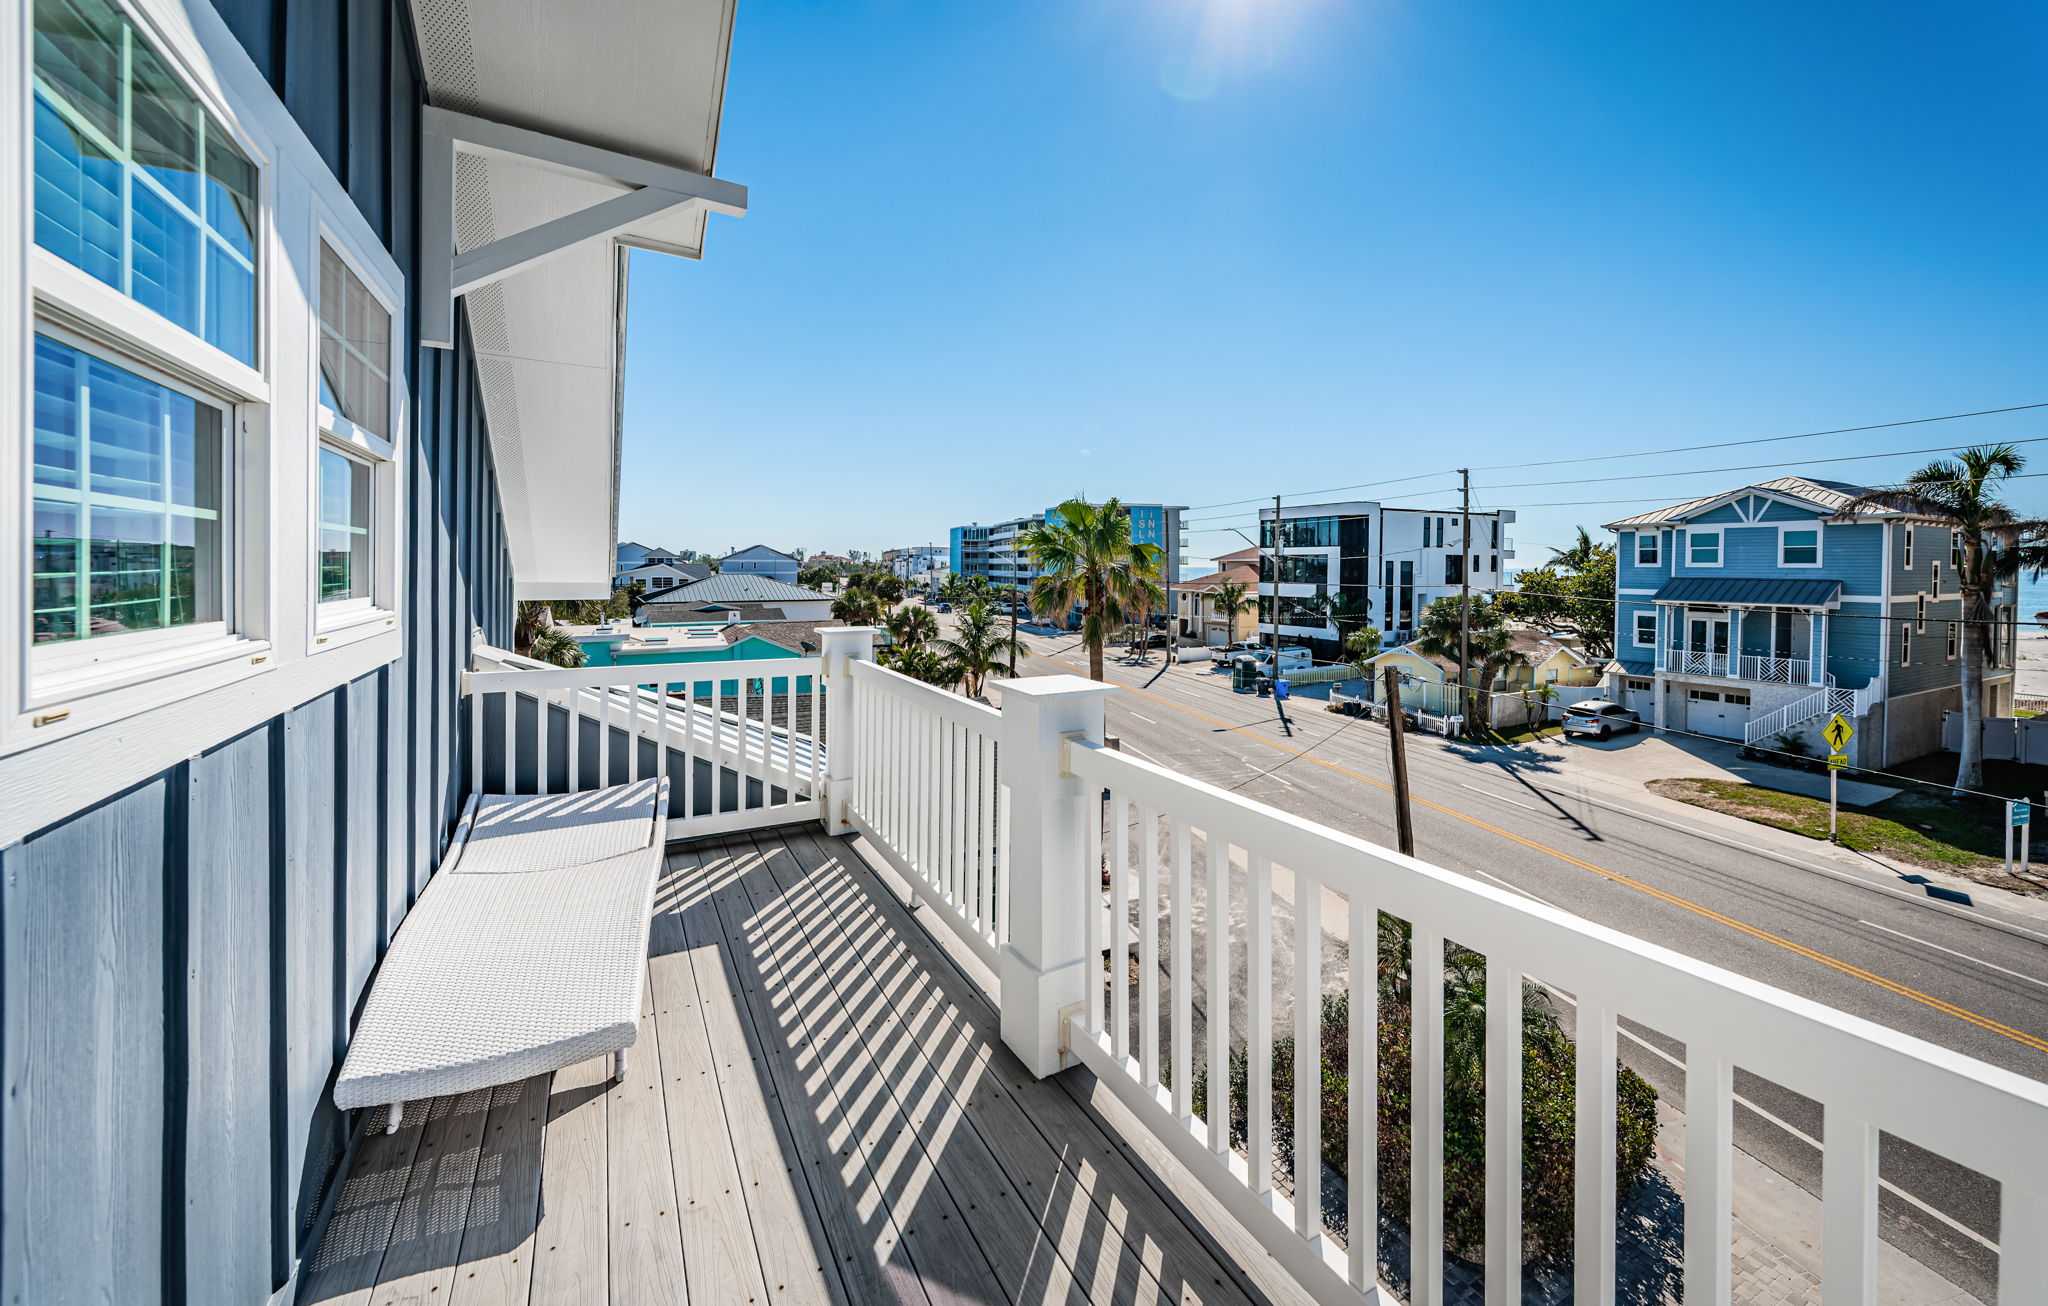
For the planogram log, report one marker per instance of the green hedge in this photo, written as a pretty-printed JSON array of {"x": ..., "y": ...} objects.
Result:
[{"x": 1549, "y": 1061}]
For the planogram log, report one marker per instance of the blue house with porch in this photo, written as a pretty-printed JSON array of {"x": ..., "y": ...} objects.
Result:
[{"x": 1751, "y": 615}]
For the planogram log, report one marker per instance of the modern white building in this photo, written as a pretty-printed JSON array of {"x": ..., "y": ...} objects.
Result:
[{"x": 1339, "y": 566}]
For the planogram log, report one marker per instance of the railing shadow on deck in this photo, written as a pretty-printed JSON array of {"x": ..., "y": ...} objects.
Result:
[{"x": 895, "y": 1046}]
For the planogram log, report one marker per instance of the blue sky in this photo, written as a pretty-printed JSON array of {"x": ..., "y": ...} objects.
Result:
[{"x": 1200, "y": 250}]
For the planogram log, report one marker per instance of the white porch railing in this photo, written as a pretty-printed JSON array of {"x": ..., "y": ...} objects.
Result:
[
  {"x": 739, "y": 741},
  {"x": 925, "y": 791},
  {"x": 918, "y": 780},
  {"x": 1771, "y": 670},
  {"x": 1851, "y": 703}
]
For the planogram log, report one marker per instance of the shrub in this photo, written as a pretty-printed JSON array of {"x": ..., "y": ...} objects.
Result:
[{"x": 1549, "y": 1064}]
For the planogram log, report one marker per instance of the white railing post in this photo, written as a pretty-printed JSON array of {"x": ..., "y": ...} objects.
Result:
[
  {"x": 839, "y": 647},
  {"x": 1049, "y": 886}
]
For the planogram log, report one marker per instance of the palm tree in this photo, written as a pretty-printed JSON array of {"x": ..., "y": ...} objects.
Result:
[
  {"x": 1578, "y": 555},
  {"x": 1232, "y": 599},
  {"x": 978, "y": 648},
  {"x": 1996, "y": 546},
  {"x": 858, "y": 606},
  {"x": 1085, "y": 555},
  {"x": 552, "y": 645},
  {"x": 1487, "y": 641},
  {"x": 1363, "y": 645},
  {"x": 924, "y": 662},
  {"x": 911, "y": 626}
]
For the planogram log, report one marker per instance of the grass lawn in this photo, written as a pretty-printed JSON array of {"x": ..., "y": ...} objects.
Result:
[{"x": 1912, "y": 828}]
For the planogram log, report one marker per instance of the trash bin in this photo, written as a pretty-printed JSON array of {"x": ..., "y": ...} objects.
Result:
[{"x": 1280, "y": 688}]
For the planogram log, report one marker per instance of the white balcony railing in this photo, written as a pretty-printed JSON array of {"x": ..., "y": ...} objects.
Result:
[
  {"x": 1017, "y": 858},
  {"x": 1005, "y": 824},
  {"x": 1745, "y": 666},
  {"x": 739, "y": 742}
]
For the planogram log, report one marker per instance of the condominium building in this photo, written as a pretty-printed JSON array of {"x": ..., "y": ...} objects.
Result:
[
  {"x": 994, "y": 551},
  {"x": 1338, "y": 566}
]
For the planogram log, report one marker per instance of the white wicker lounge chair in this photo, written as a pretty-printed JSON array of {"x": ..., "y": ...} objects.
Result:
[{"x": 526, "y": 953}]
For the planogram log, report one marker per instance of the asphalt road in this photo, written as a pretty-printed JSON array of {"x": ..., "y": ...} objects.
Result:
[{"x": 1847, "y": 935}]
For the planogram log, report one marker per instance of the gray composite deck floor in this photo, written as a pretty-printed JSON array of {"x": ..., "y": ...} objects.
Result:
[{"x": 818, "y": 1109}]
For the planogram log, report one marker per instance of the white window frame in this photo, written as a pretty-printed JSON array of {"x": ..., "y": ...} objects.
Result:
[
  {"x": 1907, "y": 530},
  {"x": 345, "y": 621},
  {"x": 1920, "y": 614},
  {"x": 1655, "y": 539},
  {"x": 1819, "y": 544},
  {"x": 52, "y": 690},
  {"x": 176, "y": 698},
  {"x": 1637, "y": 628},
  {"x": 1720, "y": 548},
  {"x": 1955, "y": 550},
  {"x": 1954, "y": 639},
  {"x": 1905, "y": 644}
]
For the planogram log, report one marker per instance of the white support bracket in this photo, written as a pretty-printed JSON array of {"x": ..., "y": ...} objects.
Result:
[{"x": 654, "y": 189}]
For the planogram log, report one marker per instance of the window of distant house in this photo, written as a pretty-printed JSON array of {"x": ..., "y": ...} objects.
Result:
[
  {"x": 1920, "y": 613},
  {"x": 1955, "y": 550},
  {"x": 1646, "y": 630},
  {"x": 128, "y": 488},
  {"x": 136, "y": 184},
  {"x": 1646, "y": 548},
  {"x": 1905, "y": 645},
  {"x": 1935, "y": 568},
  {"x": 1703, "y": 548},
  {"x": 1908, "y": 533},
  {"x": 1953, "y": 629},
  {"x": 1800, "y": 548}
]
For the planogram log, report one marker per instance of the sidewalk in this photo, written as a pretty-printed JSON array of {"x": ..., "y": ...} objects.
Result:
[{"x": 1645, "y": 756}]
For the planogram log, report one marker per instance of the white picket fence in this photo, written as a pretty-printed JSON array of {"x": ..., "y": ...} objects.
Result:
[
  {"x": 739, "y": 760},
  {"x": 1012, "y": 860}
]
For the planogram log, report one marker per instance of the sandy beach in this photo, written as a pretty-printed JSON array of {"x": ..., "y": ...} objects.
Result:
[{"x": 2033, "y": 666}]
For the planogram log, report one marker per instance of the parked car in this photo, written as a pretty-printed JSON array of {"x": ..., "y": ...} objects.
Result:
[
  {"x": 1599, "y": 718},
  {"x": 945, "y": 607}
]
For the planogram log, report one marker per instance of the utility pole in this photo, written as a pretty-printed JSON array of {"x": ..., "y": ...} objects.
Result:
[
  {"x": 1397, "y": 751},
  {"x": 1274, "y": 670},
  {"x": 1465, "y": 596}
]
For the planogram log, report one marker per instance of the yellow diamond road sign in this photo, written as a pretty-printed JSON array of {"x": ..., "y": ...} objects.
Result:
[{"x": 1838, "y": 732}]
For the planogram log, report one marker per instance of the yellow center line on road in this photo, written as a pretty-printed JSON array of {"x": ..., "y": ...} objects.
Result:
[{"x": 1904, "y": 991}]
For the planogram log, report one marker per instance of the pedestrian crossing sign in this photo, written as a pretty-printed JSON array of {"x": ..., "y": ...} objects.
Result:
[{"x": 1838, "y": 732}]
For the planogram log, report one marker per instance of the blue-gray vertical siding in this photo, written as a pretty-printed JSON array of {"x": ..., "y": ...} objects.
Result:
[{"x": 182, "y": 962}]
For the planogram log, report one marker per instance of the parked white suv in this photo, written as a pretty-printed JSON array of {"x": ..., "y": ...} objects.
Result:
[{"x": 1599, "y": 718}]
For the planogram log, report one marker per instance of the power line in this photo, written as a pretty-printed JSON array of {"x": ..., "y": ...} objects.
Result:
[{"x": 1769, "y": 439}]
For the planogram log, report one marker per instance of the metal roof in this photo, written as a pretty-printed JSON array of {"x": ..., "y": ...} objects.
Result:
[
  {"x": 741, "y": 587},
  {"x": 1824, "y": 496},
  {"x": 1784, "y": 591}
]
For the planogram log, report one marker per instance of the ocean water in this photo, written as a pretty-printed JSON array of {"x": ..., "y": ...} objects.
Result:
[{"x": 2033, "y": 597}]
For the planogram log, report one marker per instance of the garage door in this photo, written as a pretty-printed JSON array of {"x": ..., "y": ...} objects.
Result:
[{"x": 1721, "y": 713}]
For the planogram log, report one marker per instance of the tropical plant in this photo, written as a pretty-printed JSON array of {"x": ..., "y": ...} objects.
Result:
[
  {"x": 1549, "y": 1061},
  {"x": 857, "y": 605},
  {"x": 1363, "y": 644},
  {"x": 912, "y": 625},
  {"x": 1996, "y": 546},
  {"x": 1478, "y": 645},
  {"x": 554, "y": 646},
  {"x": 1232, "y": 599},
  {"x": 817, "y": 576},
  {"x": 1085, "y": 555},
  {"x": 978, "y": 648},
  {"x": 1578, "y": 555},
  {"x": 922, "y": 662},
  {"x": 1572, "y": 593},
  {"x": 1536, "y": 700}
]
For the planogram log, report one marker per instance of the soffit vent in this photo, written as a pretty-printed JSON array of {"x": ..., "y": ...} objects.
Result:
[{"x": 443, "y": 27}]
